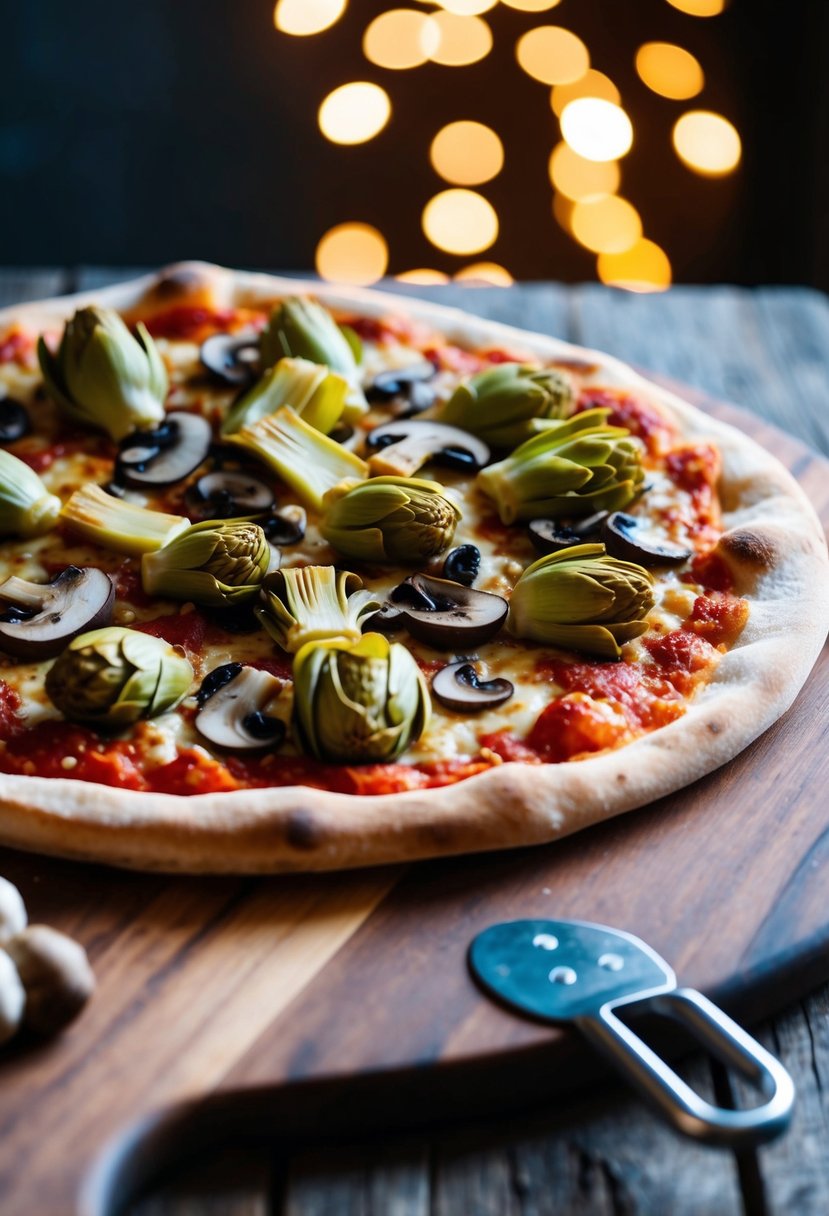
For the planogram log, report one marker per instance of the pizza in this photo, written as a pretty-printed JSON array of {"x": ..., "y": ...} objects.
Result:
[{"x": 298, "y": 578}]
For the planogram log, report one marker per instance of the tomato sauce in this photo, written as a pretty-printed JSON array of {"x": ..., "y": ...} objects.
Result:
[
  {"x": 18, "y": 346},
  {"x": 194, "y": 323},
  {"x": 640, "y": 418}
]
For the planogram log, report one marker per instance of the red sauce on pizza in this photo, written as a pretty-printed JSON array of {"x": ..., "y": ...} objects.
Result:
[
  {"x": 194, "y": 323},
  {"x": 640, "y": 418},
  {"x": 18, "y": 346}
]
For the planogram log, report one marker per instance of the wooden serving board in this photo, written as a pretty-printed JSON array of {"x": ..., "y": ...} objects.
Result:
[{"x": 288, "y": 1000}]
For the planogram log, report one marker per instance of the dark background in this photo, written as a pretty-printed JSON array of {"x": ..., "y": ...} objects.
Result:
[{"x": 135, "y": 133}]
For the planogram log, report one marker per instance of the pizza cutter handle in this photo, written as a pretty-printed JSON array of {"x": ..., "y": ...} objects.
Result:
[{"x": 684, "y": 1109}]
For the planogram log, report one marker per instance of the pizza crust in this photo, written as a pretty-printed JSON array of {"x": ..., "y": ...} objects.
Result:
[{"x": 774, "y": 545}]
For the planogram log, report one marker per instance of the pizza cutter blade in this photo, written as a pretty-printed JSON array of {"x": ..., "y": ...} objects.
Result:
[{"x": 570, "y": 971}]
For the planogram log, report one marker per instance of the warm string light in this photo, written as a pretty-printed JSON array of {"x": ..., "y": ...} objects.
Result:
[{"x": 583, "y": 168}]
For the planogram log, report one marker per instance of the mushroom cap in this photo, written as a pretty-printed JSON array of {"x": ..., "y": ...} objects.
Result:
[
  {"x": 459, "y": 687},
  {"x": 55, "y": 974},
  {"x": 12, "y": 998},
  {"x": 231, "y": 358},
  {"x": 448, "y": 615},
  {"x": 233, "y": 701},
  {"x": 401, "y": 447},
  {"x": 78, "y": 600},
  {"x": 168, "y": 454},
  {"x": 634, "y": 540},
  {"x": 13, "y": 918}
]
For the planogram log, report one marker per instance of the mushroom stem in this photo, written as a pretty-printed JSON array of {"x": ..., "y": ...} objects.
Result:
[{"x": 23, "y": 594}]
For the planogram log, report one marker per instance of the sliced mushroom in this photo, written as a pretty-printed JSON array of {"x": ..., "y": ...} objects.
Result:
[
  {"x": 227, "y": 494},
  {"x": 232, "y": 702},
  {"x": 448, "y": 615},
  {"x": 346, "y": 436},
  {"x": 231, "y": 358},
  {"x": 402, "y": 446},
  {"x": 286, "y": 526},
  {"x": 550, "y": 535},
  {"x": 630, "y": 539},
  {"x": 459, "y": 687},
  {"x": 14, "y": 420},
  {"x": 166, "y": 455},
  {"x": 387, "y": 619},
  {"x": 463, "y": 564},
  {"x": 405, "y": 390},
  {"x": 40, "y": 619}
]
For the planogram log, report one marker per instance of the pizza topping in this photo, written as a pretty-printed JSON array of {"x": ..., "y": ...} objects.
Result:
[
  {"x": 404, "y": 390},
  {"x": 26, "y": 506},
  {"x": 233, "y": 702},
  {"x": 399, "y": 520},
  {"x": 358, "y": 702},
  {"x": 630, "y": 538},
  {"x": 103, "y": 376},
  {"x": 286, "y": 526},
  {"x": 37, "y": 620},
  {"x": 308, "y": 461},
  {"x": 550, "y": 536},
  {"x": 581, "y": 599},
  {"x": 459, "y": 687},
  {"x": 115, "y": 524},
  {"x": 216, "y": 563},
  {"x": 111, "y": 678},
  {"x": 56, "y": 977},
  {"x": 447, "y": 615},
  {"x": 573, "y": 467},
  {"x": 463, "y": 564},
  {"x": 508, "y": 404},
  {"x": 311, "y": 390},
  {"x": 403, "y": 446},
  {"x": 639, "y": 417},
  {"x": 231, "y": 358},
  {"x": 304, "y": 329},
  {"x": 14, "y": 420},
  {"x": 227, "y": 494},
  {"x": 312, "y": 602},
  {"x": 169, "y": 453}
]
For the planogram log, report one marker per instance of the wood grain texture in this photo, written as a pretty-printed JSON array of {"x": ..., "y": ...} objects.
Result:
[{"x": 168, "y": 1022}]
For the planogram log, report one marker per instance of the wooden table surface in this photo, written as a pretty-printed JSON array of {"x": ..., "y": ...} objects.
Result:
[{"x": 768, "y": 351}]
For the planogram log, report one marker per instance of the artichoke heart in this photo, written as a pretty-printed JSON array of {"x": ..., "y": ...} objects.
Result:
[
  {"x": 304, "y": 329},
  {"x": 309, "y": 603},
  {"x": 315, "y": 393},
  {"x": 104, "y": 376},
  {"x": 121, "y": 526},
  {"x": 501, "y": 406},
  {"x": 308, "y": 461},
  {"x": 113, "y": 677},
  {"x": 398, "y": 520},
  {"x": 582, "y": 599},
  {"x": 218, "y": 563},
  {"x": 26, "y": 506},
  {"x": 359, "y": 702},
  {"x": 573, "y": 467}
]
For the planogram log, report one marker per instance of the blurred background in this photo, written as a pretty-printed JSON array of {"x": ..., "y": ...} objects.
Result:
[{"x": 637, "y": 142}]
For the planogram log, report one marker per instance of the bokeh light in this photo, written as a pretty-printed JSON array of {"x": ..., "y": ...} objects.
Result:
[
  {"x": 463, "y": 40},
  {"x": 484, "y": 274},
  {"x": 669, "y": 70},
  {"x": 643, "y": 267},
  {"x": 467, "y": 153},
  {"x": 352, "y": 253},
  {"x": 563, "y": 211},
  {"x": 607, "y": 224},
  {"x": 591, "y": 84},
  {"x": 354, "y": 112},
  {"x": 401, "y": 38},
  {"x": 466, "y": 8},
  {"x": 579, "y": 178},
  {"x": 700, "y": 8},
  {"x": 423, "y": 277},
  {"x": 596, "y": 129},
  {"x": 304, "y": 17},
  {"x": 460, "y": 221},
  {"x": 552, "y": 55},
  {"x": 707, "y": 143},
  {"x": 531, "y": 6}
]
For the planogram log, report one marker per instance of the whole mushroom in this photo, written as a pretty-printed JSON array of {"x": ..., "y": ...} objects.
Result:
[
  {"x": 13, "y": 918},
  {"x": 55, "y": 974},
  {"x": 12, "y": 998}
]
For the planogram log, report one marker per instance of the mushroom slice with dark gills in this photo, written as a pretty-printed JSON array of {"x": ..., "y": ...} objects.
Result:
[
  {"x": 402, "y": 447},
  {"x": 448, "y": 615},
  {"x": 231, "y": 358},
  {"x": 233, "y": 702},
  {"x": 286, "y": 526},
  {"x": 404, "y": 390},
  {"x": 38, "y": 620},
  {"x": 459, "y": 687},
  {"x": 550, "y": 535},
  {"x": 229, "y": 494},
  {"x": 633, "y": 540},
  {"x": 165, "y": 455}
]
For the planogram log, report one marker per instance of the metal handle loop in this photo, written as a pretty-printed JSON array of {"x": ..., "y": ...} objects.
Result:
[{"x": 682, "y": 1106}]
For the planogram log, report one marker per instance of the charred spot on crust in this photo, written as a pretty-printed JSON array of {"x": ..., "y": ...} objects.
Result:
[
  {"x": 178, "y": 283},
  {"x": 302, "y": 830},
  {"x": 714, "y": 728},
  {"x": 749, "y": 548}
]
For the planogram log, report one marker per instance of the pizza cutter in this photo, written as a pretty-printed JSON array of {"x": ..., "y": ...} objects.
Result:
[{"x": 571, "y": 971}]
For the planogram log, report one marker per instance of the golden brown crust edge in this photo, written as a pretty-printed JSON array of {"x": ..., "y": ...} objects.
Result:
[{"x": 774, "y": 545}]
